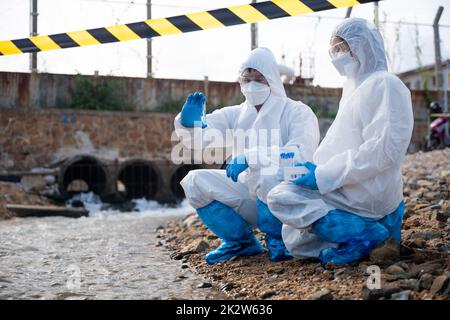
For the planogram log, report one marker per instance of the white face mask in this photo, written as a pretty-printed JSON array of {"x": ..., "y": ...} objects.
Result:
[
  {"x": 345, "y": 64},
  {"x": 256, "y": 93}
]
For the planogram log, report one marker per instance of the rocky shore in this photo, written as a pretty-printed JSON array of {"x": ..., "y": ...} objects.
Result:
[
  {"x": 419, "y": 270},
  {"x": 14, "y": 193}
]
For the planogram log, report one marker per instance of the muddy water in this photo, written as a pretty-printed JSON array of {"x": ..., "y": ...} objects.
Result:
[{"x": 105, "y": 256}]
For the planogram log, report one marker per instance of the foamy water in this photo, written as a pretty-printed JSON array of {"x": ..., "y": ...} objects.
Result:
[
  {"x": 108, "y": 255},
  {"x": 143, "y": 208}
]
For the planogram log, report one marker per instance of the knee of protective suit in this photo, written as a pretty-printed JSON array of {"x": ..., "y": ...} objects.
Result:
[
  {"x": 273, "y": 196},
  {"x": 267, "y": 222},
  {"x": 193, "y": 189}
]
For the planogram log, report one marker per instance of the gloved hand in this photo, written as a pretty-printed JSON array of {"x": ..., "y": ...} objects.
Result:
[
  {"x": 193, "y": 110},
  {"x": 237, "y": 165},
  {"x": 308, "y": 179}
]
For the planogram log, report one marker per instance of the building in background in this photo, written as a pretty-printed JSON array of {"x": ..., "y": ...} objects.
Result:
[{"x": 422, "y": 78}]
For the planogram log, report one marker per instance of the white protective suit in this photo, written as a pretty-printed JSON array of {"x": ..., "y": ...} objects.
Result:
[
  {"x": 294, "y": 121},
  {"x": 359, "y": 162}
]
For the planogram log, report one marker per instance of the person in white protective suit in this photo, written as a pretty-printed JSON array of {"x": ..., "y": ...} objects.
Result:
[
  {"x": 351, "y": 200},
  {"x": 230, "y": 202}
]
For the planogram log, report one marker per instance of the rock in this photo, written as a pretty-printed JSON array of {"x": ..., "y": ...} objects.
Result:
[
  {"x": 395, "y": 269},
  {"x": 416, "y": 271},
  {"x": 49, "y": 179},
  {"x": 33, "y": 183},
  {"x": 395, "y": 272},
  {"x": 177, "y": 255},
  {"x": 403, "y": 265},
  {"x": 202, "y": 246},
  {"x": 204, "y": 285},
  {"x": 319, "y": 269},
  {"x": 384, "y": 292},
  {"x": 443, "y": 216},
  {"x": 340, "y": 272},
  {"x": 424, "y": 183},
  {"x": 323, "y": 294},
  {"x": 328, "y": 275},
  {"x": 402, "y": 295},
  {"x": 427, "y": 234},
  {"x": 409, "y": 284},
  {"x": 439, "y": 283},
  {"x": 425, "y": 282},
  {"x": 228, "y": 286},
  {"x": 417, "y": 243},
  {"x": 431, "y": 195},
  {"x": 189, "y": 221},
  {"x": 389, "y": 250},
  {"x": 276, "y": 270},
  {"x": 442, "y": 247},
  {"x": 267, "y": 294}
]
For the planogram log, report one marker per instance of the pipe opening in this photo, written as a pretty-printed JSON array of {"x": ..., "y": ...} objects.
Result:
[
  {"x": 138, "y": 179},
  {"x": 84, "y": 175},
  {"x": 180, "y": 173}
]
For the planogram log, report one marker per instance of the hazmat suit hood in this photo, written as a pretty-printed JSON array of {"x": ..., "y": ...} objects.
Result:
[
  {"x": 263, "y": 60},
  {"x": 366, "y": 43}
]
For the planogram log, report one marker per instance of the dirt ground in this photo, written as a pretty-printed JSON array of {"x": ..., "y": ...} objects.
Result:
[
  {"x": 13, "y": 193},
  {"x": 421, "y": 269}
]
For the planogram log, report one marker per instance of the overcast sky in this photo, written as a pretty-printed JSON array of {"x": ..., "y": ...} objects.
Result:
[{"x": 215, "y": 53}]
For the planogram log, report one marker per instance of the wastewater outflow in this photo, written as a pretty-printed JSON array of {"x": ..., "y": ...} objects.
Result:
[
  {"x": 108, "y": 255},
  {"x": 123, "y": 181}
]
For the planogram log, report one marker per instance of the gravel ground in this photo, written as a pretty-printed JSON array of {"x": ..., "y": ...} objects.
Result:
[{"x": 419, "y": 270}]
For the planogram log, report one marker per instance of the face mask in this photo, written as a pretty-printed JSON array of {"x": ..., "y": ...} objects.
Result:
[
  {"x": 345, "y": 64},
  {"x": 256, "y": 93}
]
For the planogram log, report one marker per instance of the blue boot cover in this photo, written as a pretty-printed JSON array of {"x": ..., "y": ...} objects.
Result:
[
  {"x": 236, "y": 233},
  {"x": 356, "y": 235},
  {"x": 393, "y": 222},
  {"x": 271, "y": 226}
]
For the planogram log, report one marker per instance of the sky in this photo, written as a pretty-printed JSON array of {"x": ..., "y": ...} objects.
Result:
[{"x": 217, "y": 53}]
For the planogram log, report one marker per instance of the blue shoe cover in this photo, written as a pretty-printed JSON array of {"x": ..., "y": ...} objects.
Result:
[
  {"x": 348, "y": 252},
  {"x": 236, "y": 233},
  {"x": 277, "y": 249},
  {"x": 356, "y": 235},
  {"x": 230, "y": 249},
  {"x": 271, "y": 226}
]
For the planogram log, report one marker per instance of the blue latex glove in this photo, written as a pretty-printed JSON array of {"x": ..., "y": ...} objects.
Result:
[
  {"x": 308, "y": 179},
  {"x": 191, "y": 114},
  {"x": 237, "y": 165}
]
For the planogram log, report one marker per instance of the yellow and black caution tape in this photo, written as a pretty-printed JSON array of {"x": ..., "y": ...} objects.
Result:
[
  {"x": 440, "y": 115},
  {"x": 224, "y": 17}
]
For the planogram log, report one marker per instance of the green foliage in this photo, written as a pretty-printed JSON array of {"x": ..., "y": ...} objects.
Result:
[
  {"x": 174, "y": 106},
  {"x": 170, "y": 106},
  {"x": 320, "y": 113},
  {"x": 95, "y": 93}
]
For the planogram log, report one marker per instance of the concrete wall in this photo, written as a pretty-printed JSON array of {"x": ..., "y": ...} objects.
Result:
[
  {"x": 35, "y": 138},
  {"x": 44, "y": 91}
]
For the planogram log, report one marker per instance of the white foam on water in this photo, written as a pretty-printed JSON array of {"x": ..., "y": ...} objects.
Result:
[{"x": 143, "y": 208}]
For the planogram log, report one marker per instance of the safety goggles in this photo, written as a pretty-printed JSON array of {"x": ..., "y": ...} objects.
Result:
[
  {"x": 338, "y": 48},
  {"x": 248, "y": 78}
]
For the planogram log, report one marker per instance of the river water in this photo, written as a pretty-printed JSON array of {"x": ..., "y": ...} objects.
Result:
[{"x": 108, "y": 255}]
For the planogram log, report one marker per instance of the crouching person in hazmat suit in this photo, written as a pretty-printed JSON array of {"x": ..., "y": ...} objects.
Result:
[
  {"x": 231, "y": 202},
  {"x": 351, "y": 199}
]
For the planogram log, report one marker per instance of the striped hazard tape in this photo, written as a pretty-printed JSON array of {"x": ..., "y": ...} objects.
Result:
[{"x": 248, "y": 13}]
